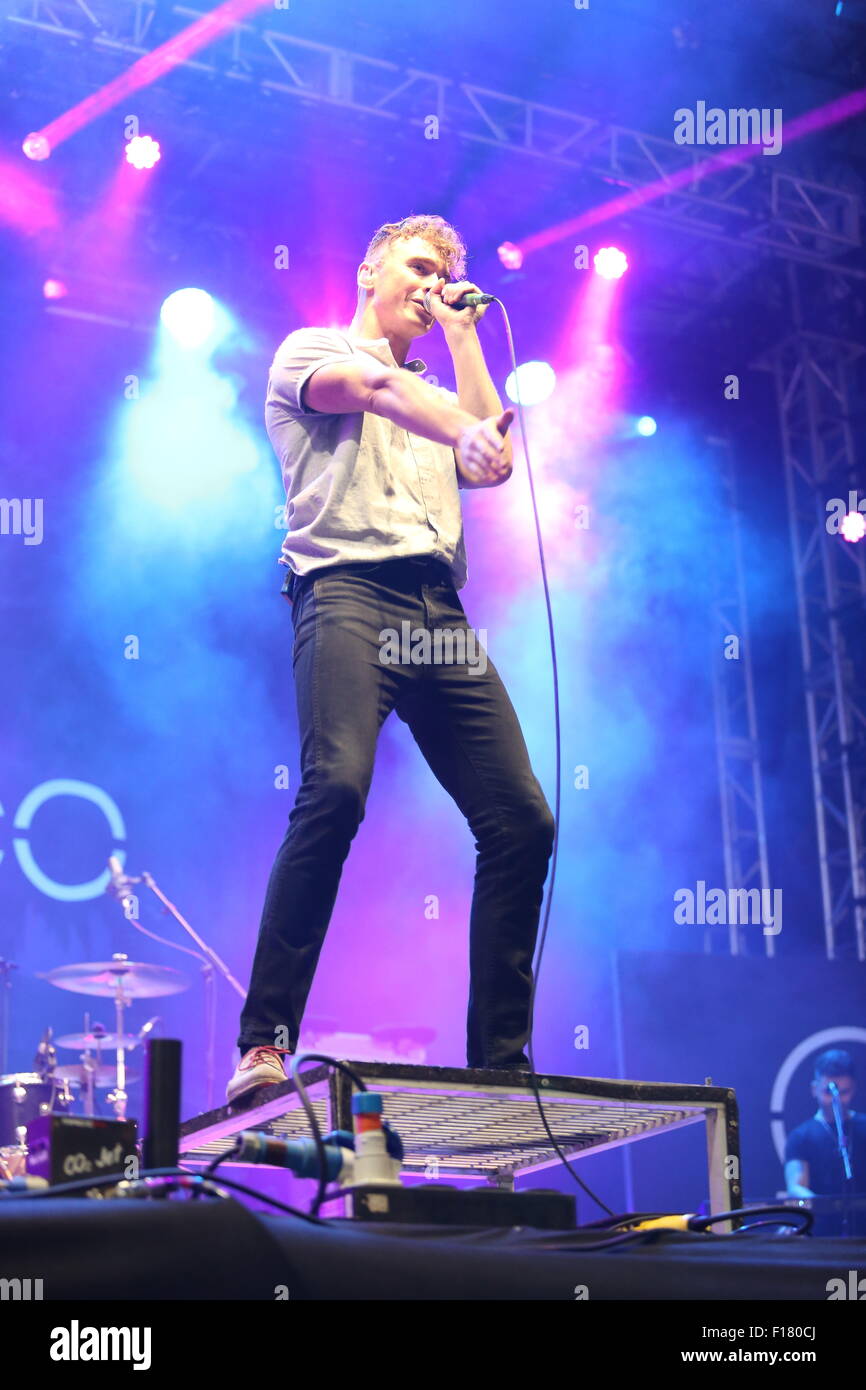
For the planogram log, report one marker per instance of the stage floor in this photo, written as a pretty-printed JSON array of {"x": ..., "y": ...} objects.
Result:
[{"x": 205, "y": 1250}]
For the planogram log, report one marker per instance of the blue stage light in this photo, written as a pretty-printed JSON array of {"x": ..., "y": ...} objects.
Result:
[{"x": 190, "y": 317}]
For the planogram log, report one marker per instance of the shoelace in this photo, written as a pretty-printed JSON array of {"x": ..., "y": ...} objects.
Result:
[{"x": 261, "y": 1052}]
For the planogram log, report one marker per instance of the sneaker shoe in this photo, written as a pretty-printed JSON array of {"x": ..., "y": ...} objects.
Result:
[{"x": 260, "y": 1066}]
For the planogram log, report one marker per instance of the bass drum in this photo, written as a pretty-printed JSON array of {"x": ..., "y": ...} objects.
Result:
[{"x": 23, "y": 1096}]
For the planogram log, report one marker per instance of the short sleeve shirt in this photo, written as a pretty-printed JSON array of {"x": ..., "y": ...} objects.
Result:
[
  {"x": 358, "y": 487},
  {"x": 812, "y": 1142}
]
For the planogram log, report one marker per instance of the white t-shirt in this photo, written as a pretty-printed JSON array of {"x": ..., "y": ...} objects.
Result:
[{"x": 358, "y": 487}]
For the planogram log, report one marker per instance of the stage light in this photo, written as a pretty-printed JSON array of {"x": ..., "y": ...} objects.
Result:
[
  {"x": 646, "y": 426},
  {"x": 853, "y": 526},
  {"x": 190, "y": 317},
  {"x": 54, "y": 289},
  {"x": 510, "y": 255},
  {"x": 610, "y": 263},
  {"x": 142, "y": 152},
  {"x": 536, "y": 381},
  {"x": 36, "y": 146}
]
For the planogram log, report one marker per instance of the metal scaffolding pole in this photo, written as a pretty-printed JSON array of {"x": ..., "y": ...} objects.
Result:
[
  {"x": 814, "y": 378},
  {"x": 744, "y": 833}
]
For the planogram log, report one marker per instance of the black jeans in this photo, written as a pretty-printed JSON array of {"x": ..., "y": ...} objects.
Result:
[{"x": 466, "y": 727}]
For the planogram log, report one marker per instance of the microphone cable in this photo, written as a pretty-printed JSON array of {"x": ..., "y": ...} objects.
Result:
[{"x": 494, "y": 299}]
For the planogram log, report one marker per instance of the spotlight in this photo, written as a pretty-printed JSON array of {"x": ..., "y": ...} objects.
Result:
[
  {"x": 646, "y": 426},
  {"x": 610, "y": 263},
  {"x": 142, "y": 152},
  {"x": 510, "y": 255},
  {"x": 54, "y": 289},
  {"x": 853, "y": 526},
  {"x": 535, "y": 381},
  {"x": 189, "y": 316},
  {"x": 36, "y": 146}
]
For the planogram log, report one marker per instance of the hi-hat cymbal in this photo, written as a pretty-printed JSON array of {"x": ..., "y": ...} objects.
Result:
[
  {"x": 138, "y": 980},
  {"x": 84, "y": 1042},
  {"x": 103, "y": 1077}
]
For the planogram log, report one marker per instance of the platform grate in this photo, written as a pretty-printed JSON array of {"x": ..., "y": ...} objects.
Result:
[{"x": 485, "y": 1124}]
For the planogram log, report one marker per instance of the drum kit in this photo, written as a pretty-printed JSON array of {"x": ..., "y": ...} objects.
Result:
[{"x": 101, "y": 1064}]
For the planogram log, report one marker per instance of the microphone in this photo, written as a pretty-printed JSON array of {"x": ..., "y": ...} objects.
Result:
[
  {"x": 116, "y": 868},
  {"x": 149, "y": 1027},
  {"x": 832, "y": 1088},
  {"x": 466, "y": 301},
  {"x": 119, "y": 882},
  {"x": 46, "y": 1054}
]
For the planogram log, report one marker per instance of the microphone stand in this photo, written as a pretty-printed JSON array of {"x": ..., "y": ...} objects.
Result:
[
  {"x": 209, "y": 958},
  {"x": 848, "y": 1178}
]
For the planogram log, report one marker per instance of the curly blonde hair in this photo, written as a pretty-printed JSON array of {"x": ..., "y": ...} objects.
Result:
[{"x": 440, "y": 234}]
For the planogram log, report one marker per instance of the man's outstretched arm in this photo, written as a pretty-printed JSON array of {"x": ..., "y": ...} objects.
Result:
[{"x": 363, "y": 383}]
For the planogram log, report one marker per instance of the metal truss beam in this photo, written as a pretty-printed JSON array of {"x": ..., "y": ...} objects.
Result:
[{"x": 753, "y": 205}]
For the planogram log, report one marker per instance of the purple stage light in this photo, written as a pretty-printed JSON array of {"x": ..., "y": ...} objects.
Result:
[
  {"x": 853, "y": 526},
  {"x": 36, "y": 146},
  {"x": 510, "y": 255},
  {"x": 610, "y": 263},
  {"x": 142, "y": 152}
]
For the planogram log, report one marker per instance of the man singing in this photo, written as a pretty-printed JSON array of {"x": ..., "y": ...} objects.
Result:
[{"x": 372, "y": 458}]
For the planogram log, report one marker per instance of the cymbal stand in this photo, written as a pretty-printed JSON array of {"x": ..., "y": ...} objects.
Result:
[
  {"x": 118, "y": 1097},
  {"x": 6, "y": 968}
]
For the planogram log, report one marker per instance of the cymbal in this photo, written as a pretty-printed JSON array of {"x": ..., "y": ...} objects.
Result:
[
  {"x": 103, "y": 1077},
  {"x": 84, "y": 1042},
  {"x": 140, "y": 981}
]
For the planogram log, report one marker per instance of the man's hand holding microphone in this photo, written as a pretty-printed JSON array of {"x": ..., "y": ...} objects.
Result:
[{"x": 482, "y": 459}]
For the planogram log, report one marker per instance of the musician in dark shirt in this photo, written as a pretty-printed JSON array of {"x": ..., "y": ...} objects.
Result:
[{"x": 813, "y": 1162}]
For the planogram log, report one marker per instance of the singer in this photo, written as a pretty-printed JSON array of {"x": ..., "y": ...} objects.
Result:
[{"x": 373, "y": 459}]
